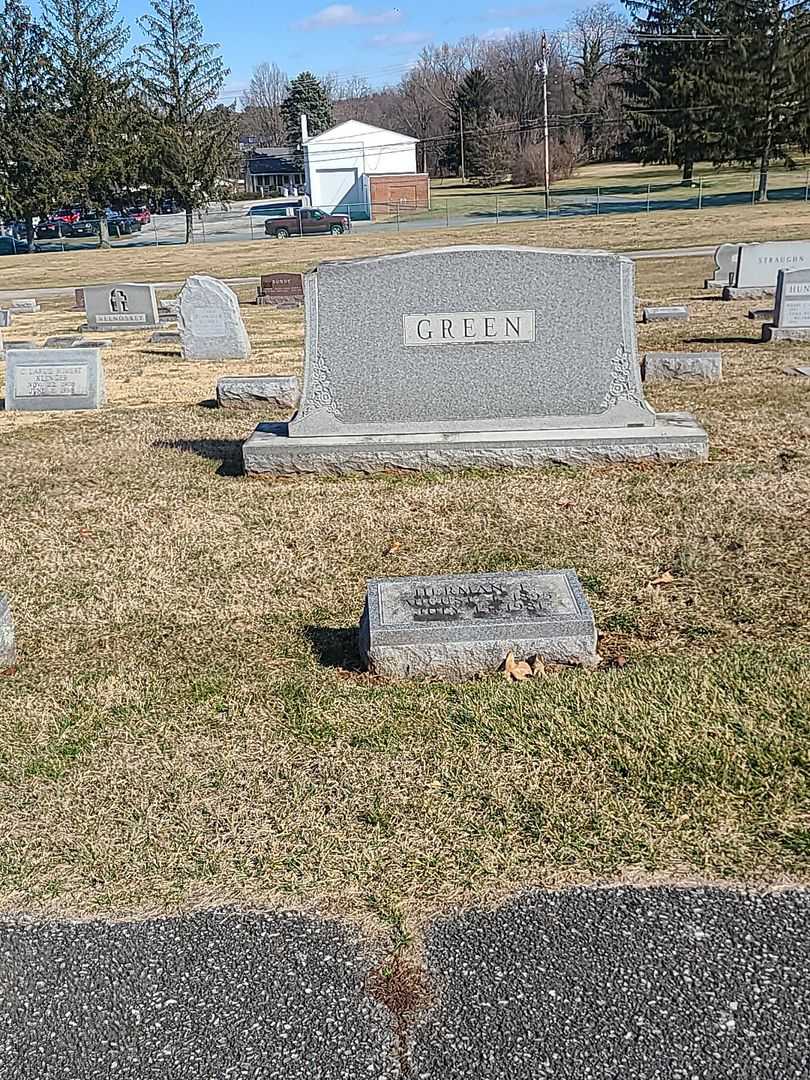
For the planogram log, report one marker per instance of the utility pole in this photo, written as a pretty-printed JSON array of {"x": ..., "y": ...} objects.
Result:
[
  {"x": 461, "y": 142},
  {"x": 543, "y": 66}
]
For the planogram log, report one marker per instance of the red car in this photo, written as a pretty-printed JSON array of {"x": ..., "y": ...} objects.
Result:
[
  {"x": 140, "y": 213},
  {"x": 68, "y": 215}
]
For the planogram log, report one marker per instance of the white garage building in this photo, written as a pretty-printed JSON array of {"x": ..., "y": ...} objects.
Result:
[{"x": 341, "y": 163}]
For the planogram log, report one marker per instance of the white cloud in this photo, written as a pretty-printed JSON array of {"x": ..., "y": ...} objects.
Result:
[
  {"x": 397, "y": 39},
  {"x": 347, "y": 15},
  {"x": 498, "y": 33}
]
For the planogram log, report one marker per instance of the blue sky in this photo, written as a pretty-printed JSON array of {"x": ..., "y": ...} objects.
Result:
[{"x": 373, "y": 39}]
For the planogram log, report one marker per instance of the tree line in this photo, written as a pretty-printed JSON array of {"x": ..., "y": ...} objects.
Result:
[{"x": 672, "y": 82}]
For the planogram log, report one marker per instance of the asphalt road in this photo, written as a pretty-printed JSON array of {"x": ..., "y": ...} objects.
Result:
[{"x": 586, "y": 984}]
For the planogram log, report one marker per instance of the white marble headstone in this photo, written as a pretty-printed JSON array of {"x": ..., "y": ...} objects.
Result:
[{"x": 210, "y": 323}]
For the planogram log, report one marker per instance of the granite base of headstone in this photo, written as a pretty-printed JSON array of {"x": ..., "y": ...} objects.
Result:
[
  {"x": 21, "y": 343},
  {"x": 791, "y": 310},
  {"x": 210, "y": 322},
  {"x": 53, "y": 379},
  {"x": 471, "y": 356},
  {"x": 798, "y": 369},
  {"x": 120, "y": 306},
  {"x": 463, "y": 625},
  {"x": 665, "y": 314},
  {"x": 760, "y": 313},
  {"x": 165, "y": 337},
  {"x": 682, "y": 367},
  {"x": 246, "y": 392},
  {"x": 8, "y": 651}
]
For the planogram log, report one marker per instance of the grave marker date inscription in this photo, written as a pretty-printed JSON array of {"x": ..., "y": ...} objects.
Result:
[{"x": 465, "y": 603}]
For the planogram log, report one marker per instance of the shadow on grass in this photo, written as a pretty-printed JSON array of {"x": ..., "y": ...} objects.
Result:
[
  {"x": 723, "y": 341},
  {"x": 227, "y": 451},
  {"x": 209, "y": 403},
  {"x": 335, "y": 646}
]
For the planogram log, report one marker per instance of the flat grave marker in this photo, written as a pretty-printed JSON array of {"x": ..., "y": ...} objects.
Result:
[
  {"x": 673, "y": 313},
  {"x": 25, "y": 306},
  {"x": 120, "y": 306},
  {"x": 476, "y": 355},
  {"x": 246, "y": 391},
  {"x": 460, "y": 625},
  {"x": 8, "y": 652},
  {"x": 53, "y": 379},
  {"x": 683, "y": 367}
]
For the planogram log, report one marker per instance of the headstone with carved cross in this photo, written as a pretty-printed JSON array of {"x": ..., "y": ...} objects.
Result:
[{"x": 121, "y": 306}]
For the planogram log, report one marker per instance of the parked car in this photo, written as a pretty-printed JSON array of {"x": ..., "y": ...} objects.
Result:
[
  {"x": 86, "y": 226},
  {"x": 11, "y": 246},
  {"x": 307, "y": 222},
  {"x": 50, "y": 229},
  {"x": 68, "y": 215},
  {"x": 140, "y": 214},
  {"x": 117, "y": 225}
]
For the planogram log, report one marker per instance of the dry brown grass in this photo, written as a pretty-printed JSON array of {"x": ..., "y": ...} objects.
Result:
[
  {"x": 186, "y": 724},
  {"x": 613, "y": 232}
]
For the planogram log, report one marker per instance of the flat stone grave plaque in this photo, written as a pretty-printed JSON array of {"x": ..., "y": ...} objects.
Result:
[
  {"x": 210, "y": 322},
  {"x": 281, "y": 290},
  {"x": 120, "y": 306},
  {"x": 683, "y": 367},
  {"x": 25, "y": 306},
  {"x": 760, "y": 313},
  {"x": 464, "y": 624},
  {"x": 800, "y": 369},
  {"x": 62, "y": 341},
  {"x": 475, "y": 355},
  {"x": 662, "y": 314},
  {"x": 246, "y": 391},
  {"x": 759, "y": 264},
  {"x": 725, "y": 264},
  {"x": 8, "y": 653},
  {"x": 53, "y": 379}
]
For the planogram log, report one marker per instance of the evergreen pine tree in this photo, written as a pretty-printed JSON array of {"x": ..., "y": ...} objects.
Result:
[
  {"x": 90, "y": 83},
  {"x": 485, "y": 149},
  {"x": 30, "y": 156},
  {"x": 764, "y": 86},
  {"x": 180, "y": 77},
  {"x": 306, "y": 95},
  {"x": 669, "y": 83}
]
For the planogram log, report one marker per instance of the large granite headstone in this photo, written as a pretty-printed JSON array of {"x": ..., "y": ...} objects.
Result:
[
  {"x": 53, "y": 379},
  {"x": 759, "y": 264},
  {"x": 210, "y": 322},
  {"x": 725, "y": 264},
  {"x": 791, "y": 313},
  {"x": 464, "y": 624},
  {"x": 8, "y": 652},
  {"x": 470, "y": 356},
  {"x": 120, "y": 306}
]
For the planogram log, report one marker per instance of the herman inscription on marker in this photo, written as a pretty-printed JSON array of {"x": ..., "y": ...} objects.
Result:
[
  {"x": 50, "y": 381},
  {"x": 468, "y": 327}
]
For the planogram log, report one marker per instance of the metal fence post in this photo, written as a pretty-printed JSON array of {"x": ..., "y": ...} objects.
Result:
[
  {"x": 154, "y": 226},
  {"x": 397, "y": 217},
  {"x": 648, "y": 196},
  {"x": 753, "y": 188},
  {"x": 807, "y": 186},
  {"x": 700, "y": 193},
  {"x": 598, "y": 198},
  {"x": 202, "y": 223},
  {"x": 497, "y": 211}
]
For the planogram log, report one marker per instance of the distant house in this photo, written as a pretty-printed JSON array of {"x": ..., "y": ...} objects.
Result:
[
  {"x": 363, "y": 171},
  {"x": 270, "y": 168}
]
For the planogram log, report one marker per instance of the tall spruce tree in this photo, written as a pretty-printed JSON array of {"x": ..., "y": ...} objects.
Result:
[
  {"x": 668, "y": 83},
  {"x": 30, "y": 156},
  {"x": 180, "y": 77},
  {"x": 306, "y": 95},
  {"x": 485, "y": 149},
  {"x": 90, "y": 85},
  {"x": 764, "y": 83}
]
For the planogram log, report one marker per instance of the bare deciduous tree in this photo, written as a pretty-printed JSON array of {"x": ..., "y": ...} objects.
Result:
[{"x": 261, "y": 102}]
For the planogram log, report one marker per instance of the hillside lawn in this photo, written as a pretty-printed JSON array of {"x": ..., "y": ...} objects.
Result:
[{"x": 188, "y": 724}]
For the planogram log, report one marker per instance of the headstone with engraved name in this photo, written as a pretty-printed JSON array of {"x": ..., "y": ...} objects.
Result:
[
  {"x": 683, "y": 367},
  {"x": 470, "y": 356},
  {"x": 759, "y": 264},
  {"x": 120, "y": 306},
  {"x": 210, "y": 322},
  {"x": 675, "y": 313},
  {"x": 8, "y": 652},
  {"x": 25, "y": 306},
  {"x": 78, "y": 299},
  {"x": 464, "y": 624},
  {"x": 725, "y": 263},
  {"x": 791, "y": 313},
  {"x": 281, "y": 290},
  {"x": 53, "y": 379}
]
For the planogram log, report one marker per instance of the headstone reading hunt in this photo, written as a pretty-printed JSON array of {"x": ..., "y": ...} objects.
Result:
[
  {"x": 759, "y": 264},
  {"x": 791, "y": 313},
  {"x": 120, "y": 306},
  {"x": 281, "y": 290},
  {"x": 58, "y": 379},
  {"x": 210, "y": 322},
  {"x": 725, "y": 263},
  {"x": 462, "y": 356},
  {"x": 8, "y": 653},
  {"x": 463, "y": 624}
]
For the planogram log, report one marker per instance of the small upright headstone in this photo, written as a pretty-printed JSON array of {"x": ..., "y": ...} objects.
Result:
[
  {"x": 281, "y": 290},
  {"x": 465, "y": 624},
  {"x": 25, "y": 306},
  {"x": 120, "y": 306},
  {"x": 759, "y": 264},
  {"x": 53, "y": 379},
  {"x": 725, "y": 263},
  {"x": 683, "y": 367},
  {"x": 486, "y": 356},
  {"x": 8, "y": 652},
  {"x": 78, "y": 299},
  {"x": 791, "y": 313},
  {"x": 665, "y": 314},
  {"x": 210, "y": 322},
  {"x": 5, "y": 317}
]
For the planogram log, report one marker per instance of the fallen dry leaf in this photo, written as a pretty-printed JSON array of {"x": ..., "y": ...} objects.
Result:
[
  {"x": 392, "y": 547},
  {"x": 516, "y": 669},
  {"x": 566, "y": 504},
  {"x": 9, "y": 670},
  {"x": 663, "y": 579},
  {"x": 538, "y": 667}
]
